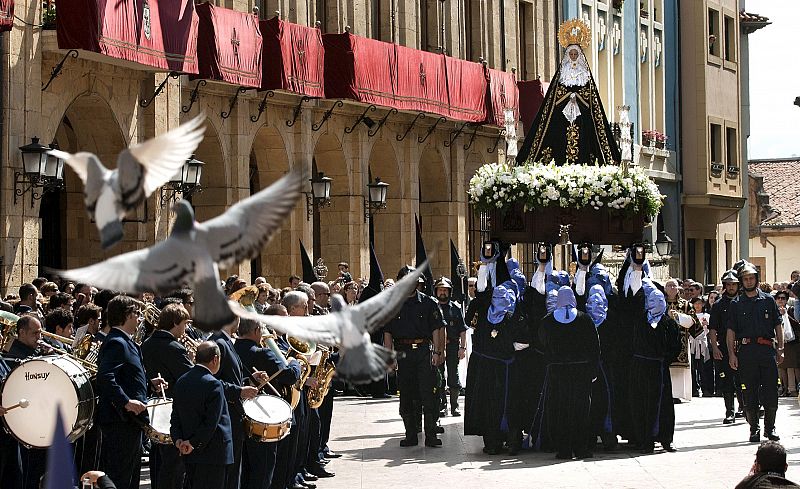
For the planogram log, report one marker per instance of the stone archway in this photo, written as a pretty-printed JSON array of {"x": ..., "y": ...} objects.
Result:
[
  {"x": 88, "y": 124},
  {"x": 336, "y": 231},
  {"x": 269, "y": 160},
  {"x": 393, "y": 247},
  {"x": 214, "y": 198},
  {"x": 436, "y": 208},
  {"x": 477, "y": 224}
]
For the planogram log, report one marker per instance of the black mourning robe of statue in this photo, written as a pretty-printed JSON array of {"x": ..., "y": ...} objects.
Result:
[
  {"x": 588, "y": 140},
  {"x": 652, "y": 412},
  {"x": 572, "y": 351},
  {"x": 487, "y": 405},
  {"x": 527, "y": 372}
]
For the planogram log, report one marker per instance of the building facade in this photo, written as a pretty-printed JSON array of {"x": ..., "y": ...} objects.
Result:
[
  {"x": 711, "y": 146},
  {"x": 102, "y": 104}
]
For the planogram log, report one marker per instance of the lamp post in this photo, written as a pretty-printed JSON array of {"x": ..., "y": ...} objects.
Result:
[
  {"x": 320, "y": 196},
  {"x": 42, "y": 172},
  {"x": 663, "y": 244},
  {"x": 376, "y": 197},
  {"x": 186, "y": 181}
]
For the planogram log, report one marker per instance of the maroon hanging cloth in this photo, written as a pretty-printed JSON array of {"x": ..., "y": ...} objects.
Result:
[
  {"x": 503, "y": 94},
  {"x": 531, "y": 96},
  {"x": 294, "y": 58},
  {"x": 229, "y": 46},
  {"x": 158, "y": 34},
  {"x": 6, "y": 15}
]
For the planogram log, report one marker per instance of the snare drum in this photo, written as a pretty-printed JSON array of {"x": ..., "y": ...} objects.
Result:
[
  {"x": 160, "y": 411},
  {"x": 48, "y": 383},
  {"x": 267, "y": 418}
]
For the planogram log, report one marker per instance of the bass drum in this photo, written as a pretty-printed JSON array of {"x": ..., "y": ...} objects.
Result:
[
  {"x": 159, "y": 410},
  {"x": 267, "y": 418},
  {"x": 48, "y": 383}
]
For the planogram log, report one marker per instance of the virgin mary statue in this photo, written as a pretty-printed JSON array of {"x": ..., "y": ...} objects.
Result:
[{"x": 571, "y": 126}]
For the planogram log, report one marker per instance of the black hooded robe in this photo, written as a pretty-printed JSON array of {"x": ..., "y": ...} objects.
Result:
[
  {"x": 571, "y": 351},
  {"x": 487, "y": 403}
]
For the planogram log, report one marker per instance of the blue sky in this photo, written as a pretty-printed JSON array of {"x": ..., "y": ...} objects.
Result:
[{"x": 774, "y": 81}]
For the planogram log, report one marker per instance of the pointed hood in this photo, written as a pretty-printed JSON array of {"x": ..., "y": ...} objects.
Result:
[
  {"x": 422, "y": 257},
  {"x": 375, "y": 284},
  {"x": 566, "y": 309},
  {"x": 309, "y": 276},
  {"x": 458, "y": 283}
]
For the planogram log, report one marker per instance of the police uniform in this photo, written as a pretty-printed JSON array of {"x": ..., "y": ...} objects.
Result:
[
  {"x": 727, "y": 378},
  {"x": 454, "y": 318},
  {"x": 753, "y": 321},
  {"x": 412, "y": 332}
]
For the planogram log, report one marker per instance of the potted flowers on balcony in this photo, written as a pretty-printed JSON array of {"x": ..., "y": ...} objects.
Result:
[
  {"x": 654, "y": 138},
  {"x": 49, "y": 16}
]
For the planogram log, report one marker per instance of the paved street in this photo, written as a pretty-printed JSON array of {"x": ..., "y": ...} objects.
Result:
[{"x": 367, "y": 433}]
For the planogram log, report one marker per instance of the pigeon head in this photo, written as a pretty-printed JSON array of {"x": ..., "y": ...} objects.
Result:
[{"x": 184, "y": 217}]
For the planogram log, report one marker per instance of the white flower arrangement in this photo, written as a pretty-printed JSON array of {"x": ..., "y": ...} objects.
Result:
[{"x": 537, "y": 186}]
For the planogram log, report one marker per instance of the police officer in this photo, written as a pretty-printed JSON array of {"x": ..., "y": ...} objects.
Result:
[
  {"x": 418, "y": 325},
  {"x": 456, "y": 332},
  {"x": 717, "y": 332},
  {"x": 755, "y": 321}
]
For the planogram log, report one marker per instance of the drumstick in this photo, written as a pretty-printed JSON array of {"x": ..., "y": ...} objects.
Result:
[
  {"x": 23, "y": 403},
  {"x": 266, "y": 382},
  {"x": 163, "y": 393}
]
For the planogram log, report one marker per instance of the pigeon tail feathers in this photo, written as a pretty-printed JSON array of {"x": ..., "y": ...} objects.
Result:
[
  {"x": 111, "y": 233},
  {"x": 211, "y": 310},
  {"x": 365, "y": 363}
]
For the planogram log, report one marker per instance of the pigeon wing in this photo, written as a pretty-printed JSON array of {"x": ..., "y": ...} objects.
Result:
[
  {"x": 325, "y": 329},
  {"x": 161, "y": 268},
  {"x": 145, "y": 167},
  {"x": 78, "y": 163},
  {"x": 381, "y": 308},
  {"x": 243, "y": 230}
]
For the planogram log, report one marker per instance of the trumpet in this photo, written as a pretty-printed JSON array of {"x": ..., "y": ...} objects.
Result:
[
  {"x": 293, "y": 394},
  {"x": 91, "y": 367},
  {"x": 190, "y": 345}
]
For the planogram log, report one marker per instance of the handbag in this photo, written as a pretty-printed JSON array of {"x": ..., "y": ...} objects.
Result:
[{"x": 788, "y": 331}]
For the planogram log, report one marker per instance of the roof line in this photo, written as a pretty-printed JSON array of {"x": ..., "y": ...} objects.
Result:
[{"x": 774, "y": 160}]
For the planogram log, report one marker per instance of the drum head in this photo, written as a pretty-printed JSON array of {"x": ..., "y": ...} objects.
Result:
[
  {"x": 46, "y": 386},
  {"x": 160, "y": 412},
  {"x": 267, "y": 409}
]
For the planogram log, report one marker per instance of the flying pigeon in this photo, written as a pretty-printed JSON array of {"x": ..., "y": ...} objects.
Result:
[
  {"x": 142, "y": 168},
  {"x": 349, "y": 328},
  {"x": 194, "y": 251}
]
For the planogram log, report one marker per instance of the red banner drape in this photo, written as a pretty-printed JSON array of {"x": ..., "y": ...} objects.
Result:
[
  {"x": 531, "y": 96},
  {"x": 229, "y": 46},
  {"x": 503, "y": 94},
  {"x": 159, "y": 34},
  {"x": 381, "y": 73},
  {"x": 294, "y": 58},
  {"x": 6, "y": 15}
]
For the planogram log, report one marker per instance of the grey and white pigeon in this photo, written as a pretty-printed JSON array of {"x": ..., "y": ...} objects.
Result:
[
  {"x": 361, "y": 361},
  {"x": 142, "y": 168},
  {"x": 193, "y": 252}
]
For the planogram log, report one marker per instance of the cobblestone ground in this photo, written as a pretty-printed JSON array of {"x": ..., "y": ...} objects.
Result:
[{"x": 367, "y": 433}]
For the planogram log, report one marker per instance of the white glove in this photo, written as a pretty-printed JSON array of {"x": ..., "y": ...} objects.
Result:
[{"x": 520, "y": 346}]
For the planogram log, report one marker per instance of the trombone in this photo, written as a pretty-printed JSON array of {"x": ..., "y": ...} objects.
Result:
[{"x": 91, "y": 367}]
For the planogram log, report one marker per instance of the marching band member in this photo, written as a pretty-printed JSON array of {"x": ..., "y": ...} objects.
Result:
[
  {"x": 200, "y": 423},
  {"x": 59, "y": 321},
  {"x": 232, "y": 375},
  {"x": 122, "y": 394},
  {"x": 88, "y": 318},
  {"x": 259, "y": 457},
  {"x": 29, "y": 334},
  {"x": 164, "y": 356},
  {"x": 10, "y": 460}
]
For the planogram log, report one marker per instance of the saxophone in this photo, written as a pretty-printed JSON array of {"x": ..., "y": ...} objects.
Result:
[
  {"x": 323, "y": 375},
  {"x": 291, "y": 394}
]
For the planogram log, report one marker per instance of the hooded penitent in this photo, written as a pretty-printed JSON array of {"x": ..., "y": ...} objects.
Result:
[{"x": 566, "y": 306}]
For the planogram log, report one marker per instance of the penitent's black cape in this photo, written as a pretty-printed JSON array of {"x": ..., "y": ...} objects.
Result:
[{"x": 552, "y": 138}]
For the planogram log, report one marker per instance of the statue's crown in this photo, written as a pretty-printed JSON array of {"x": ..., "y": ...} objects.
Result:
[{"x": 575, "y": 31}]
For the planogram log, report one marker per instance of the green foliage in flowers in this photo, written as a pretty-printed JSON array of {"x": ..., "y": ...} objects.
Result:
[{"x": 537, "y": 186}]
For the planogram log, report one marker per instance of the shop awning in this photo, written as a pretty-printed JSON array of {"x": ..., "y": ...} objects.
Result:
[
  {"x": 151, "y": 33},
  {"x": 229, "y": 46},
  {"x": 381, "y": 73},
  {"x": 531, "y": 95},
  {"x": 503, "y": 94},
  {"x": 294, "y": 58},
  {"x": 6, "y": 15}
]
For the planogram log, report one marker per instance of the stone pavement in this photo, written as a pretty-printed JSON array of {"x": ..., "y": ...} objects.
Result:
[{"x": 367, "y": 433}]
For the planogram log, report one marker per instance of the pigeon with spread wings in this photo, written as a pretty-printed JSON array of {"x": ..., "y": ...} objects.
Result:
[
  {"x": 194, "y": 252},
  {"x": 349, "y": 328},
  {"x": 110, "y": 195}
]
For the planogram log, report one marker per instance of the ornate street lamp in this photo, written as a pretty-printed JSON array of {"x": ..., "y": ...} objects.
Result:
[
  {"x": 42, "y": 172},
  {"x": 376, "y": 193},
  {"x": 663, "y": 244},
  {"x": 186, "y": 181},
  {"x": 320, "y": 195}
]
